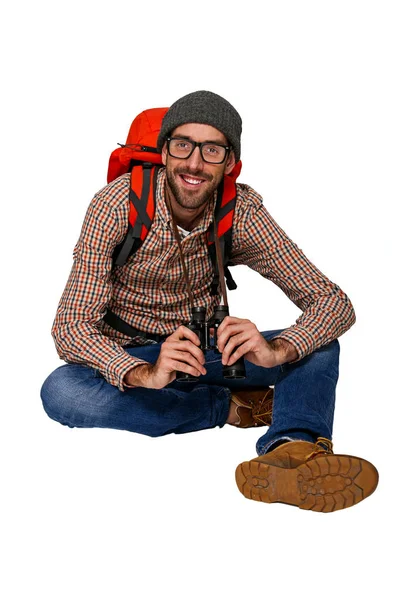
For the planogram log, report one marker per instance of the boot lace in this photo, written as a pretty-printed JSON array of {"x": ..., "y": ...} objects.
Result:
[
  {"x": 262, "y": 411},
  {"x": 323, "y": 446}
]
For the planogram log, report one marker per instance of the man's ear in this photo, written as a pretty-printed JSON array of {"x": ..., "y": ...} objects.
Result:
[
  {"x": 230, "y": 163},
  {"x": 164, "y": 153}
]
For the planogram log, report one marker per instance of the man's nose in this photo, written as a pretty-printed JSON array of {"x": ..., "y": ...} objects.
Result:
[{"x": 195, "y": 161}]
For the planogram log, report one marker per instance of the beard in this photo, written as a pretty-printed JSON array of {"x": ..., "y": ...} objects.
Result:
[{"x": 192, "y": 198}]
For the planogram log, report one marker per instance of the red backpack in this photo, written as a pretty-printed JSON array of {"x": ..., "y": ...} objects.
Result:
[{"x": 140, "y": 157}]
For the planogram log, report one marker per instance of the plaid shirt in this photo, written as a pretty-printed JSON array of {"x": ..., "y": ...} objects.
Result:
[{"x": 149, "y": 291}]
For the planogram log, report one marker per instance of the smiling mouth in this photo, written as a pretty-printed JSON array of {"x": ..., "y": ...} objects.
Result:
[{"x": 191, "y": 181}]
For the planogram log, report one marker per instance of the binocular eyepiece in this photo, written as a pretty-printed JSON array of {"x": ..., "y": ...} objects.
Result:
[{"x": 202, "y": 328}]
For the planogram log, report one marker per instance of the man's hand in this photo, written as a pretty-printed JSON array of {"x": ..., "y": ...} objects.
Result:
[
  {"x": 179, "y": 352},
  {"x": 240, "y": 337}
]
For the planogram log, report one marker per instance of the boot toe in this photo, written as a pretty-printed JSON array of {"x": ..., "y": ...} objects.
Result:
[{"x": 367, "y": 479}]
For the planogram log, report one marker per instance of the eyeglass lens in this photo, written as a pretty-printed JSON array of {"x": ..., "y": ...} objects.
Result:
[{"x": 213, "y": 153}]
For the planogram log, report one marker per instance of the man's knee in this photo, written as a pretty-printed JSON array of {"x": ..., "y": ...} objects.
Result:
[
  {"x": 52, "y": 393},
  {"x": 330, "y": 352},
  {"x": 325, "y": 359},
  {"x": 61, "y": 391}
]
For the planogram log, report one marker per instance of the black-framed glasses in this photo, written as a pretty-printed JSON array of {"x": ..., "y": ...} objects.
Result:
[{"x": 210, "y": 152}]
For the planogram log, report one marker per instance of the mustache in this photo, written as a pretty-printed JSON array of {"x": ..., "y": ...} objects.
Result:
[{"x": 200, "y": 174}]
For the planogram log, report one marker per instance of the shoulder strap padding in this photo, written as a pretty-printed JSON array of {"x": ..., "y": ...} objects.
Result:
[{"x": 141, "y": 210}]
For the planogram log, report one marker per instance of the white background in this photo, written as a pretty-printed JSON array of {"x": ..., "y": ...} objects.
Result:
[{"x": 108, "y": 514}]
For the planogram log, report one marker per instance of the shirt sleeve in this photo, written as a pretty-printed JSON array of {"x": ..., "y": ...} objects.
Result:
[
  {"x": 260, "y": 243},
  {"x": 88, "y": 290}
]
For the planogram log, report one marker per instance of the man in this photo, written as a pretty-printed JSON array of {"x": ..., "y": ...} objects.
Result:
[{"x": 113, "y": 381}]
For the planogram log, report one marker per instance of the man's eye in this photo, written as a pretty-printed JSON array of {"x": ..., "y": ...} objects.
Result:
[{"x": 215, "y": 150}]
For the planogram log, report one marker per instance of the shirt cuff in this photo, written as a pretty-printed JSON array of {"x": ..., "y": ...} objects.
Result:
[
  {"x": 118, "y": 367},
  {"x": 300, "y": 338}
]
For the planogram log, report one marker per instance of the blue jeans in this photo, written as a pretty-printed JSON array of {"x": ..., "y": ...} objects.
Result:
[{"x": 304, "y": 398}]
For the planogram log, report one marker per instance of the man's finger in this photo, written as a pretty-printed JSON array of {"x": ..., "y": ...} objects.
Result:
[
  {"x": 187, "y": 357},
  {"x": 238, "y": 353},
  {"x": 233, "y": 343},
  {"x": 185, "y": 368},
  {"x": 230, "y": 331},
  {"x": 184, "y": 332}
]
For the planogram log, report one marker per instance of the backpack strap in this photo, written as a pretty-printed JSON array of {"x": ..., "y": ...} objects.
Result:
[
  {"x": 143, "y": 180},
  {"x": 224, "y": 215},
  {"x": 142, "y": 192},
  {"x": 122, "y": 326}
]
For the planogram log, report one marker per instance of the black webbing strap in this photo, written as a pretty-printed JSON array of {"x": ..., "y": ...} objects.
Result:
[
  {"x": 127, "y": 247},
  {"x": 140, "y": 204},
  {"x": 225, "y": 244},
  {"x": 231, "y": 284},
  {"x": 120, "y": 325}
]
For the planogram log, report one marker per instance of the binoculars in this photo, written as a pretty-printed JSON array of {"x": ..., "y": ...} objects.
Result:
[{"x": 202, "y": 328}]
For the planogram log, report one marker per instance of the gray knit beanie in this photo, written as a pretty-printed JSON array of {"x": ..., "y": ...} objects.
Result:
[{"x": 208, "y": 108}]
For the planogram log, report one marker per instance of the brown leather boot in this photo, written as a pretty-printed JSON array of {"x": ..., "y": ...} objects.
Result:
[
  {"x": 253, "y": 407},
  {"x": 307, "y": 475}
]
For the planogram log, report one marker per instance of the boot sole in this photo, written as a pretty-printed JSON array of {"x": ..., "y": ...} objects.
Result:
[{"x": 324, "y": 484}]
